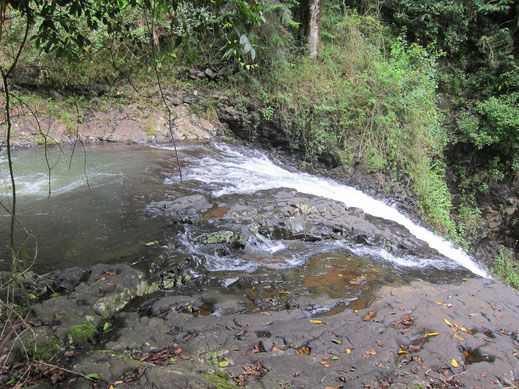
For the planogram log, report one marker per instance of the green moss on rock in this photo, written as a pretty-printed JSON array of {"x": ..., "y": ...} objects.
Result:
[
  {"x": 82, "y": 333},
  {"x": 221, "y": 381}
]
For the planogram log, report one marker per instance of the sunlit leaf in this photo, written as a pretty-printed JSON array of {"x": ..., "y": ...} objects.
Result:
[
  {"x": 473, "y": 314},
  {"x": 224, "y": 363},
  {"x": 316, "y": 321},
  {"x": 403, "y": 352},
  {"x": 338, "y": 341},
  {"x": 454, "y": 363},
  {"x": 447, "y": 322},
  {"x": 348, "y": 351},
  {"x": 431, "y": 334},
  {"x": 93, "y": 375},
  {"x": 458, "y": 336}
]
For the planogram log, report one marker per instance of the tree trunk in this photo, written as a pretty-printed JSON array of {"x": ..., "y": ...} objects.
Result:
[{"x": 314, "y": 13}]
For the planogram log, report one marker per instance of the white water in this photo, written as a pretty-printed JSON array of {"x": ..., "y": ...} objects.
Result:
[{"x": 231, "y": 171}]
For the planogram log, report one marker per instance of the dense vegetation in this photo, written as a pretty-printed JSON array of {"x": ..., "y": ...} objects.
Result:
[{"x": 400, "y": 88}]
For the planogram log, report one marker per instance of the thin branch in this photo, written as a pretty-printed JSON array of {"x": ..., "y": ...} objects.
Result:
[
  {"x": 66, "y": 370},
  {"x": 80, "y": 141},
  {"x": 159, "y": 84},
  {"x": 45, "y": 136}
]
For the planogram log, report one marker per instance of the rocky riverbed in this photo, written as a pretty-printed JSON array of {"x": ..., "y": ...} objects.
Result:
[{"x": 177, "y": 326}]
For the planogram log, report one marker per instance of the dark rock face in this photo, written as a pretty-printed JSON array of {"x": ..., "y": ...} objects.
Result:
[
  {"x": 187, "y": 209},
  {"x": 249, "y": 125},
  {"x": 292, "y": 216}
]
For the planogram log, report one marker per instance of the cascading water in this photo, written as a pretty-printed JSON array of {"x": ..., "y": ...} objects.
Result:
[
  {"x": 230, "y": 170},
  {"x": 82, "y": 226}
]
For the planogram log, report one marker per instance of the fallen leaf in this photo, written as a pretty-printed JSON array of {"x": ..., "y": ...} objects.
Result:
[
  {"x": 223, "y": 363},
  {"x": 473, "y": 314},
  {"x": 371, "y": 351},
  {"x": 337, "y": 341},
  {"x": 348, "y": 351},
  {"x": 431, "y": 334},
  {"x": 111, "y": 274},
  {"x": 370, "y": 316},
  {"x": 447, "y": 322},
  {"x": 184, "y": 357},
  {"x": 458, "y": 337},
  {"x": 283, "y": 292},
  {"x": 454, "y": 363},
  {"x": 304, "y": 350},
  {"x": 334, "y": 358},
  {"x": 316, "y": 321},
  {"x": 403, "y": 352}
]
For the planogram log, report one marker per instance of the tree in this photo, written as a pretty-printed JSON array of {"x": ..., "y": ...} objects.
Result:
[{"x": 312, "y": 11}]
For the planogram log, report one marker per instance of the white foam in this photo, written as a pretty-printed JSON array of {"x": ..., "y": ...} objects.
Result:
[{"x": 235, "y": 172}]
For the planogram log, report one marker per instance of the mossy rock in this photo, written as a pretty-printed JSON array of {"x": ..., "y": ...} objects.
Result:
[
  {"x": 221, "y": 381},
  {"x": 40, "y": 343},
  {"x": 82, "y": 333},
  {"x": 221, "y": 237}
]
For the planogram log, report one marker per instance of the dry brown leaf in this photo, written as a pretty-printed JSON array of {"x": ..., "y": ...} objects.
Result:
[{"x": 370, "y": 316}]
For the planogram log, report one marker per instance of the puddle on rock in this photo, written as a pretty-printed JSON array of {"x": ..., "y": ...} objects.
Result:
[{"x": 475, "y": 356}]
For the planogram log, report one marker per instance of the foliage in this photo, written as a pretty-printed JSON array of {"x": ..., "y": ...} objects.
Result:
[
  {"x": 363, "y": 102},
  {"x": 505, "y": 268}
]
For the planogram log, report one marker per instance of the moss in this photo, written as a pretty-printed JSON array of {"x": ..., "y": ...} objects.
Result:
[
  {"x": 221, "y": 381},
  {"x": 82, "y": 333},
  {"x": 45, "y": 352},
  {"x": 220, "y": 237}
]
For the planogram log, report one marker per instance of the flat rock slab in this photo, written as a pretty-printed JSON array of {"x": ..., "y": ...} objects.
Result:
[{"x": 412, "y": 336}]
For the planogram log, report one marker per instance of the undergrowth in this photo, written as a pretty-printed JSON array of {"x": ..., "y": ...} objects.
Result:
[
  {"x": 369, "y": 101},
  {"x": 505, "y": 268}
]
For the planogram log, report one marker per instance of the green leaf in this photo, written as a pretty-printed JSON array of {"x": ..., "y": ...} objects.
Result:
[
  {"x": 337, "y": 341},
  {"x": 106, "y": 326},
  {"x": 223, "y": 363},
  {"x": 149, "y": 243},
  {"x": 334, "y": 358},
  {"x": 473, "y": 314},
  {"x": 93, "y": 375}
]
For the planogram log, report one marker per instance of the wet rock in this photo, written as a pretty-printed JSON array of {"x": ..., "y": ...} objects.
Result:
[
  {"x": 291, "y": 215},
  {"x": 172, "y": 303},
  {"x": 187, "y": 209},
  {"x": 66, "y": 280},
  {"x": 178, "y": 270},
  {"x": 108, "y": 289},
  {"x": 39, "y": 342},
  {"x": 221, "y": 237}
]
